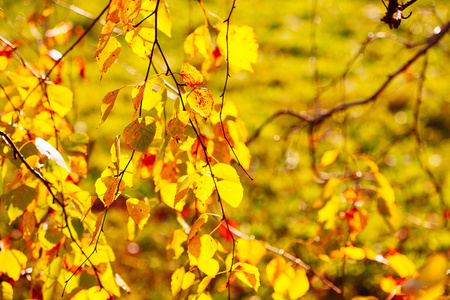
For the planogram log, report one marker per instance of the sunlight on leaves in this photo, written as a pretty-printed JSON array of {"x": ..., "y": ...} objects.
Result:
[
  {"x": 50, "y": 152},
  {"x": 242, "y": 46}
]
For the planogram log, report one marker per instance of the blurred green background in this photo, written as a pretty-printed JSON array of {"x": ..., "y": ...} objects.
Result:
[{"x": 304, "y": 46}]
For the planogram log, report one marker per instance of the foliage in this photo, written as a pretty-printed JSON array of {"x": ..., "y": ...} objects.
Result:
[{"x": 164, "y": 204}]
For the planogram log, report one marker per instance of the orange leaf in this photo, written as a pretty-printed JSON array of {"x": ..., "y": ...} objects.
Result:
[
  {"x": 201, "y": 101},
  {"x": 108, "y": 104},
  {"x": 191, "y": 76},
  {"x": 139, "y": 211},
  {"x": 28, "y": 224}
]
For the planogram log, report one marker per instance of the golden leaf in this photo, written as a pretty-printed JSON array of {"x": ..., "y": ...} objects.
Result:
[
  {"x": 328, "y": 158},
  {"x": 175, "y": 241},
  {"x": 139, "y": 211},
  {"x": 242, "y": 46},
  {"x": 250, "y": 251},
  {"x": 108, "y": 55},
  {"x": 141, "y": 40},
  {"x": 191, "y": 76},
  {"x": 107, "y": 105},
  {"x": 201, "y": 101},
  {"x": 248, "y": 274}
]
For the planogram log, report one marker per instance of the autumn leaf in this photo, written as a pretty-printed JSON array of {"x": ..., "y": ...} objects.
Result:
[
  {"x": 174, "y": 243},
  {"x": 231, "y": 192},
  {"x": 198, "y": 42},
  {"x": 28, "y": 225},
  {"x": 177, "y": 125},
  {"x": 242, "y": 49},
  {"x": 164, "y": 20},
  {"x": 201, "y": 101},
  {"x": 248, "y": 274},
  {"x": 328, "y": 158},
  {"x": 50, "y": 152},
  {"x": 107, "y": 105},
  {"x": 98, "y": 225},
  {"x": 250, "y": 251},
  {"x": 141, "y": 40},
  {"x": 60, "y": 99},
  {"x": 108, "y": 55},
  {"x": 191, "y": 76},
  {"x": 201, "y": 249},
  {"x": 139, "y": 211},
  {"x": 139, "y": 134},
  {"x": 402, "y": 265},
  {"x": 12, "y": 262}
]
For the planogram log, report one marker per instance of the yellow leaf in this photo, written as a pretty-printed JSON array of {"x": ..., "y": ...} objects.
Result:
[
  {"x": 139, "y": 211},
  {"x": 299, "y": 284},
  {"x": 6, "y": 290},
  {"x": 168, "y": 193},
  {"x": 402, "y": 265},
  {"x": 201, "y": 101},
  {"x": 60, "y": 99},
  {"x": 12, "y": 262},
  {"x": 242, "y": 46},
  {"x": 231, "y": 192},
  {"x": 114, "y": 9},
  {"x": 28, "y": 224},
  {"x": 327, "y": 214},
  {"x": 153, "y": 93},
  {"x": 198, "y": 42},
  {"x": 108, "y": 54},
  {"x": 250, "y": 251},
  {"x": 226, "y": 172},
  {"x": 364, "y": 298},
  {"x": 141, "y": 40},
  {"x": 188, "y": 280},
  {"x": 204, "y": 284},
  {"x": 201, "y": 249},
  {"x": 354, "y": 252},
  {"x": 204, "y": 187},
  {"x": 107, "y": 105},
  {"x": 94, "y": 293},
  {"x": 191, "y": 76},
  {"x": 129, "y": 13},
  {"x": 105, "y": 35},
  {"x": 328, "y": 158},
  {"x": 177, "y": 281},
  {"x": 389, "y": 284},
  {"x": 174, "y": 243},
  {"x": 274, "y": 268},
  {"x": 164, "y": 20},
  {"x": 248, "y": 274}
]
